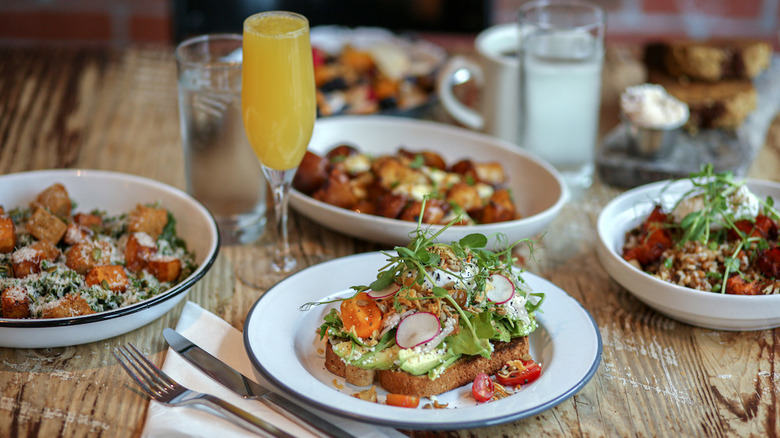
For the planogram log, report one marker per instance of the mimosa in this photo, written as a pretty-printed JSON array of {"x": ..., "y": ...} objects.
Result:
[
  {"x": 278, "y": 96},
  {"x": 279, "y": 108}
]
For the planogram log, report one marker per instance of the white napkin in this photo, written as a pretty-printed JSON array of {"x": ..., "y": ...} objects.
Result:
[{"x": 225, "y": 342}]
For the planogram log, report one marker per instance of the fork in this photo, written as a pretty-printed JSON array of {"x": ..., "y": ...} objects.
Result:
[{"x": 157, "y": 385}]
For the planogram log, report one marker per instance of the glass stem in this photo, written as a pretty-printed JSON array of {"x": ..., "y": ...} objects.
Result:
[{"x": 280, "y": 182}]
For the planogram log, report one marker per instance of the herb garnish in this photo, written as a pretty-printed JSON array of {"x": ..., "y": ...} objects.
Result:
[
  {"x": 714, "y": 189},
  {"x": 421, "y": 258}
]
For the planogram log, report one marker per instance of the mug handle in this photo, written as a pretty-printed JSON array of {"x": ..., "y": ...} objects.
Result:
[{"x": 454, "y": 106}]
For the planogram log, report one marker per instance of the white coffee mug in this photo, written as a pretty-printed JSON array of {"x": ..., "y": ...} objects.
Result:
[{"x": 497, "y": 76}]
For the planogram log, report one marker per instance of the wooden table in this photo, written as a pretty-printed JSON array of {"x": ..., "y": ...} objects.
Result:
[{"x": 116, "y": 109}]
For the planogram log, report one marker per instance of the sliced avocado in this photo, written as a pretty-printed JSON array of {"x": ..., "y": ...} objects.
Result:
[
  {"x": 378, "y": 360},
  {"x": 416, "y": 363},
  {"x": 365, "y": 358}
]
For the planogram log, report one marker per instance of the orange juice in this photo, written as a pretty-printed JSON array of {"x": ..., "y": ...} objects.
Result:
[{"x": 278, "y": 95}]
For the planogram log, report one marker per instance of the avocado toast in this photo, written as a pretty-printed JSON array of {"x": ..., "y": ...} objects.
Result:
[{"x": 436, "y": 316}]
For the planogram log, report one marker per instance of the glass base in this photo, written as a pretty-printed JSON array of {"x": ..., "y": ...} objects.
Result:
[
  {"x": 261, "y": 270},
  {"x": 241, "y": 229},
  {"x": 577, "y": 178}
]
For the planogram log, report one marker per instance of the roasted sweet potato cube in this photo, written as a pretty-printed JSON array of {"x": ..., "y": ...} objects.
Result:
[
  {"x": 165, "y": 268},
  {"x": 311, "y": 173},
  {"x": 88, "y": 220},
  {"x": 67, "y": 306},
  {"x": 430, "y": 158},
  {"x": 139, "y": 250},
  {"x": 75, "y": 234},
  {"x": 55, "y": 199},
  {"x": 16, "y": 302},
  {"x": 85, "y": 255},
  {"x": 467, "y": 168},
  {"x": 499, "y": 208},
  {"x": 27, "y": 260},
  {"x": 465, "y": 196},
  {"x": 435, "y": 210},
  {"x": 114, "y": 277},
  {"x": 491, "y": 173},
  {"x": 390, "y": 172},
  {"x": 337, "y": 191},
  {"x": 7, "y": 232},
  {"x": 365, "y": 206},
  {"x": 341, "y": 152},
  {"x": 147, "y": 220},
  {"x": 44, "y": 225},
  {"x": 390, "y": 205}
]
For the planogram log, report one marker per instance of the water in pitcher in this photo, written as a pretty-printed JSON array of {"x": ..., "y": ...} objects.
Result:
[
  {"x": 222, "y": 171},
  {"x": 561, "y": 87}
]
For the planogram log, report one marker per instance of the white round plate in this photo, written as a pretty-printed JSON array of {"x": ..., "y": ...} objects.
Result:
[
  {"x": 114, "y": 193},
  {"x": 695, "y": 307},
  {"x": 283, "y": 345},
  {"x": 538, "y": 190}
]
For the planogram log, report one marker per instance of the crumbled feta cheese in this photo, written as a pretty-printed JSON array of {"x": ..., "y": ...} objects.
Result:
[
  {"x": 515, "y": 309},
  {"x": 357, "y": 163},
  {"x": 743, "y": 204}
]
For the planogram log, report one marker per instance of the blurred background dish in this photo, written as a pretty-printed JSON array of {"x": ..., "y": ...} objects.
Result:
[
  {"x": 538, "y": 190},
  {"x": 114, "y": 193},
  {"x": 371, "y": 70},
  {"x": 695, "y": 307}
]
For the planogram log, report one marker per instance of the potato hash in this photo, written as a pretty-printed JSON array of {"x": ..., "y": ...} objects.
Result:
[{"x": 394, "y": 186}]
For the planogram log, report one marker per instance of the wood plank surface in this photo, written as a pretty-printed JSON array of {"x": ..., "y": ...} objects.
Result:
[{"x": 116, "y": 109}]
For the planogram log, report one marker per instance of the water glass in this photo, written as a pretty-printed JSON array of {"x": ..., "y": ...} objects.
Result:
[
  {"x": 222, "y": 172},
  {"x": 561, "y": 53}
]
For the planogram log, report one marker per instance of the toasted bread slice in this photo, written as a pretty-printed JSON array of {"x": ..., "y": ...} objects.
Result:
[
  {"x": 354, "y": 375},
  {"x": 458, "y": 374}
]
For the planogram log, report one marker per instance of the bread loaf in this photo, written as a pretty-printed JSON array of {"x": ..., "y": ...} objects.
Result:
[
  {"x": 712, "y": 78},
  {"x": 717, "y": 60}
]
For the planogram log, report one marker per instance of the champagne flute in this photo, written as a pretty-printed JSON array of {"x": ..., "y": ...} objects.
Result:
[{"x": 279, "y": 109}]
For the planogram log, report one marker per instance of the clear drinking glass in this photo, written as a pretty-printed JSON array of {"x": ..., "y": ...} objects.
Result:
[
  {"x": 561, "y": 54},
  {"x": 215, "y": 145},
  {"x": 279, "y": 109}
]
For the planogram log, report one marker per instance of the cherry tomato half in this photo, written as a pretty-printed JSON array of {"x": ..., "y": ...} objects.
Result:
[
  {"x": 482, "y": 388},
  {"x": 404, "y": 401},
  {"x": 528, "y": 374},
  {"x": 362, "y": 313}
]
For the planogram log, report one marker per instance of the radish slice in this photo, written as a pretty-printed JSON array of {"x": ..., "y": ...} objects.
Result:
[
  {"x": 417, "y": 328},
  {"x": 386, "y": 292},
  {"x": 499, "y": 289}
]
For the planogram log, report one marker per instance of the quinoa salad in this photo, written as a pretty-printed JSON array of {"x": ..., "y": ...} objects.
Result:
[
  {"x": 56, "y": 262},
  {"x": 717, "y": 237}
]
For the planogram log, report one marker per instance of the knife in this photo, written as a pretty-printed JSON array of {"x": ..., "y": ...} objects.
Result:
[{"x": 245, "y": 387}]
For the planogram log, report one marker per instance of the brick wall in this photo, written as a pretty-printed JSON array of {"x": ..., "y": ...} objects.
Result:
[
  {"x": 642, "y": 20},
  {"x": 96, "y": 21},
  {"x": 120, "y": 22}
]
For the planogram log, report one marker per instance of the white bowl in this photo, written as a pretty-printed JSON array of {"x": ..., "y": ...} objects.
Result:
[
  {"x": 115, "y": 193},
  {"x": 538, "y": 190},
  {"x": 695, "y": 307}
]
